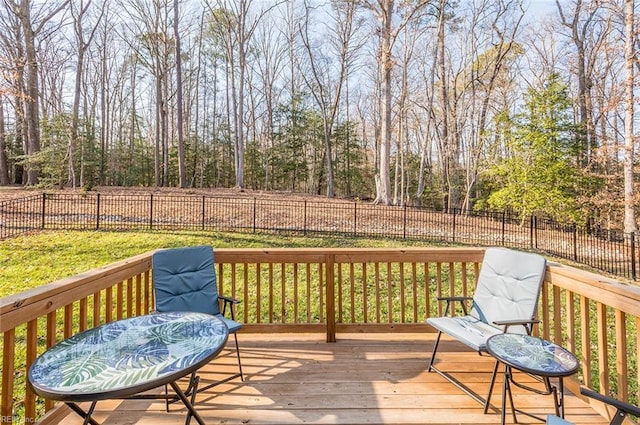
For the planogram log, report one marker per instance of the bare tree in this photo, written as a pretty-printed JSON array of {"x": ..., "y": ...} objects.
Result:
[
  {"x": 236, "y": 19},
  {"x": 79, "y": 10},
  {"x": 385, "y": 12},
  {"x": 179, "y": 107},
  {"x": 630, "y": 224},
  {"x": 150, "y": 25},
  {"x": 580, "y": 27},
  {"x": 489, "y": 78},
  {"x": 326, "y": 88},
  {"x": 12, "y": 66},
  {"x": 269, "y": 68},
  {"x": 30, "y": 30},
  {"x": 4, "y": 163}
]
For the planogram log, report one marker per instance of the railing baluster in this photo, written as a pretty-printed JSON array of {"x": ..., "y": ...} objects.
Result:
[
  {"x": 139, "y": 295},
  {"x": 8, "y": 371},
  {"x": 414, "y": 291},
  {"x": 68, "y": 320},
  {"x": 51, "y": 341},
  {"x": 83, "y": 313},
  {"x": 97, "y": 308},
  {"x": 603, "y": 352},
  {"x": 622, "y": 361},
  {"x": 119, "y": 301},
  {"x": 585, "y": 336},
  {"x": 32, "y": 352}
]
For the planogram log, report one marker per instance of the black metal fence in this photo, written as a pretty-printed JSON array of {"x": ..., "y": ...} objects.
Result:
[{"x": 612, "y": 252}]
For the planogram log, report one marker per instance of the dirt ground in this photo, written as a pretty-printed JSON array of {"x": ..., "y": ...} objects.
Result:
[{"x": 12, "y": 192}]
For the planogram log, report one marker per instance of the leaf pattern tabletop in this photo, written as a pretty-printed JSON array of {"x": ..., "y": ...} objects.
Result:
[
  {"x": 533, "y": 354},
  {"x": 128, "y": 354}
]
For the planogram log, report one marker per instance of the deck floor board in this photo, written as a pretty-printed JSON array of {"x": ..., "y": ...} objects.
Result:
[{"x": 361, "y": 379}]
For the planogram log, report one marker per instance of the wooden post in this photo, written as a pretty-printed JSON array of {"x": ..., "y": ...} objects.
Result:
[
  {"x": 330, "y": 298},
  {"x": 8, "y": 357}
]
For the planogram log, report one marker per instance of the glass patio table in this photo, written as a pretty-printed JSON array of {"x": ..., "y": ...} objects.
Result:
[
  {"x": 124, "y": 358},
  {"x": 537, "y": 357}
]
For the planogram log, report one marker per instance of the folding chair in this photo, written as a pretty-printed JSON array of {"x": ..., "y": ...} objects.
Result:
[
  {"x": 184, "y": 279},
  {"x": 505, "y": 300},
  {"x": 622, "y": 409}
]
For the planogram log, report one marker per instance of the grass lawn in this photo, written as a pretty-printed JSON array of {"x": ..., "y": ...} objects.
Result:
[{"x": 33, "y": 260}]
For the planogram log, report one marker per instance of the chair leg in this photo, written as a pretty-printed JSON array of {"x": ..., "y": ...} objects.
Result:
[
  {"x": 166, "y": 397},
  {"x": 493, "y": 381},
  {"x": 228, "y": 378},
  {"x": 195, "y": 380},
  {"x": 238, "y": 354},
  {"x": 433, "y": 354}
]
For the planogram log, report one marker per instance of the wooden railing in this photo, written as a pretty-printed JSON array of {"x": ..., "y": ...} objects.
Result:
[{"x": 329, "y": 291}]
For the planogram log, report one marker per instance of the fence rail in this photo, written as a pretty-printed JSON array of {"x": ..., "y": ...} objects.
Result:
[{"x": 613, "y": 252}]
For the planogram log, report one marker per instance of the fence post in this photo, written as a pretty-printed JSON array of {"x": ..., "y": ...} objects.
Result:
[
  {"x": 204, "y": 200},
  {"x": 151, "y": 211},
  {"x": 304, "y": 228},
  {"x": 532, "y": 220},
  {"x": 575, "y": 242},
  {"x": 98, "y": 211},
  {"x": 503, "y": 226},
  {"x": 44, "y": 200},
  {"x": 255, "y": 203},
  {"x": 404, "y": 224},
  {"x": 355, "y": 218},
  {"x": 453, "y": 230}
]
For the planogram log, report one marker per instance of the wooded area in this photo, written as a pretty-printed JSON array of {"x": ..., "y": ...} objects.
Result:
[{"x": 447, "y": 103}]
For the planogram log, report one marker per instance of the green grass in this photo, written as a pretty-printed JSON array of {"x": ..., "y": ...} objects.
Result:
[{"x": 30, "y": 261}]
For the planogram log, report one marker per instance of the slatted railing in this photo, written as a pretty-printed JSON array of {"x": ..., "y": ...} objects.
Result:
[{"x": 329, "y": 291}]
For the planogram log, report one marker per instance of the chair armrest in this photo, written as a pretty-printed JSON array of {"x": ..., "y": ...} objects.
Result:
[
  {"x": 507, "y": 323},
  {"x": 454, "y": 298},
  {"x": 228, "y": 301},
  {"x": 451, "y": 300},
  {"x": 620, "y": 405}
]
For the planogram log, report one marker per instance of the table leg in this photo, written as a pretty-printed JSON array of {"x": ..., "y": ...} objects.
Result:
[
  {"x": 506, "y": 392},
  {"x": 187, "y": 403},
  {"x": 513, "y": 408},
  {"x": 561, "y": 396},
  {"x": 487, "y": 403},
  {"x": 85, "y": 415}
]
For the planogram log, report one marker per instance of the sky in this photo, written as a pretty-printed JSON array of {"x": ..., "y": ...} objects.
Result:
[{"x": 540, "y": 8}]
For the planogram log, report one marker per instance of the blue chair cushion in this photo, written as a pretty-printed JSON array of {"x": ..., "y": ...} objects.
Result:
[
  {"x": 231, "y": 324},
  {"x": 184, "y": 280}
]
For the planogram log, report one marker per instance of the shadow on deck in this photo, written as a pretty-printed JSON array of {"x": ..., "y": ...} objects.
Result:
[{"x": 361, "y": 379}]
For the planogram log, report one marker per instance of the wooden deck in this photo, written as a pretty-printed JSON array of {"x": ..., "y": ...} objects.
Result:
[{"x": 361, "y": 379}]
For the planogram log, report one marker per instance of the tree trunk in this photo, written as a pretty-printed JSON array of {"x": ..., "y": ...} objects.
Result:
[
  {"x": 157, "y": 161},
  {"x": 445, "y": 143},
  {"x": 32, "y": 118},
  {"x": 383, "y": 186},
  {"x": 630, "y": 225},
  {"x": 4, "y": 163},
  {"x": 179, "y": 121}
]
